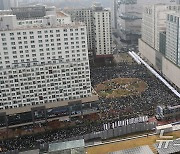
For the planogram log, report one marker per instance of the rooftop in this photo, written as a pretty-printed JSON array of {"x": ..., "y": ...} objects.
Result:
[
  {"x": 60, "y": 146},
  {"x": 61, "y": 14},
  {"x": 137, "y": 150},
  {"x": 24, "y": 27}
]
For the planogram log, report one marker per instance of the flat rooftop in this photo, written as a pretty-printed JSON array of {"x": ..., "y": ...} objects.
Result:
[
  {"x": 137, "y": 150},
  {"x": 61, "y": 14}
]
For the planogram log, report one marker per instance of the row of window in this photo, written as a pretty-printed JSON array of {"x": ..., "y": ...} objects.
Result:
[
  {"x": 35, "y": 101},
  {"x": 45, "y": 31}
]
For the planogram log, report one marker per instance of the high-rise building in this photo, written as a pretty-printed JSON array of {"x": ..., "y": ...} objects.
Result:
[
  {"x": 172, "y": 38},
  {"x": 103, "y": 31},
  {"x": 42, "y": 60},
  {"x": 98, "y": 23},
  {"x": 159, "y": 44},
  {"x": 129, "y": 17},
  {"x": 154, "y": 22},
  {"x": 85, "y": 15}
]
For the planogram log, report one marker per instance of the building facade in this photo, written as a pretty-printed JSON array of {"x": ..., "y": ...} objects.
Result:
[
  {"x": 129, "y": 17},
  {"x": 99, "y": 30},
  {"x": 154, "y": 22},
  {"x": 172, "y": 38},
  {"x": 42, "y": 60},
  {"x": 85, "y": 15},
  {"x": 159, "y": 44},
  {"x": 103, "y": 31},
  {"x": 129, "y": 20}
]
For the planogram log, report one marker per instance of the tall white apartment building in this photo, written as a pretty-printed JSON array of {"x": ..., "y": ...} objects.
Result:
[
  {"x": 154, "y": 22},
  {"x": 42, "y": 60},
  {"x": 172, "y": 38},
  {"x": 98, "y": 22},
  {"x": 85, "y": 15},
  {"x": 103, "y": 31}
]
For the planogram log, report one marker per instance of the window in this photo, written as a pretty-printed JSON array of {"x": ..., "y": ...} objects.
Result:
[
  {"x": 2, "y": 34},
  {"x": 3, "y": 39},
  {"x": 11, "y": 34}
]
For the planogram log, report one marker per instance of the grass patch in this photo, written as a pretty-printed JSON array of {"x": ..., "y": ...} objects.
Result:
[{"x": 120, "y": 87}]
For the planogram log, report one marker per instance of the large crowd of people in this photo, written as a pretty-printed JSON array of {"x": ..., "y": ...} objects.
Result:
[
  {"x": 110, "y": 108},
  {"x": 130, "y": 106}
]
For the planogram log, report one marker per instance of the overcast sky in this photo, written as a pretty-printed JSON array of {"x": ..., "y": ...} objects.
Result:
[{"x": 69, "y": 3}]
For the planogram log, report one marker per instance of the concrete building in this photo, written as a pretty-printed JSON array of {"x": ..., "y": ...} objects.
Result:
[
  {"x": 42, "y": 60},
  {"x": 129, "y": 17},
  {"x": 98, "y": 22},
  {"x": 163, "y": 54},
  {"x": 154, "y": 22},
  {"x": 85, "y": 15},
  {"x": 103, "y": 31},
  {"x": 129, "y": 20},
  {"x": 7, "y": 4},
  {"x": 172, "y": 38}
]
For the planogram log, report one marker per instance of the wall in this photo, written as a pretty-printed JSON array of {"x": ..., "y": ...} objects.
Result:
[
  {"x": 118, "y": 131},
  {"x": 147, "y": 51},
  {"x": 170, "y": 71}
]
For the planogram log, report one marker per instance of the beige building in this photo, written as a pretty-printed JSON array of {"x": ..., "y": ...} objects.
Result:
[
  {"x": 98, "y": 25},
  {"x": 129, "y": 17},
  {"x": 169, "y": 69},
  {"x": 42, "y": 60},
  {"x": 157, "y": 19},
  {"x": 103, "y": 31},
  {"x": 154, "y": 22}
]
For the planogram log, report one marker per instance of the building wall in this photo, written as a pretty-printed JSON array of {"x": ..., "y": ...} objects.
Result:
[
  {"x": 99, "y": 29},
  {"x": 44, "y": 84},
  {"x": 42, "y": 63},
  {"x": 103, "y": 31},
  {"x": 148, "y": 22},
  {"x": 43, "y": 45},
  {"x": 86, "y": 16},
  {"x": 170, "y": 71},
  {"x": 147, "y": 51},
  {"x": 172, "y": 38},
  {"x": 154, "y": 22},
  {"x": 135, "y": 8}
]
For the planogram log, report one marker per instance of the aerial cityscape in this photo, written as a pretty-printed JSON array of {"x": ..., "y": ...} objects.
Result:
[{"x": 89, "y": 76}]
